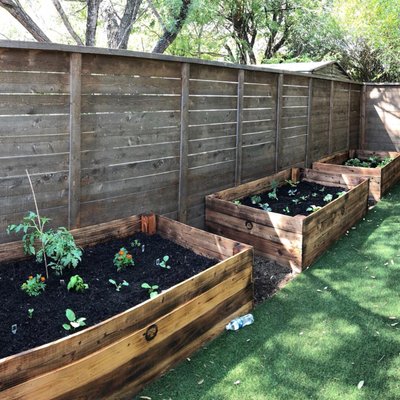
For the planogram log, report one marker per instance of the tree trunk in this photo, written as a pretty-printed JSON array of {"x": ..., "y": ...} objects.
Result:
[
  {"x": 91, "y": 22},
  {"x": 118, "y": 33},
  {"x": 170, "y": 35},
  {"x": 16, "y": 10}
]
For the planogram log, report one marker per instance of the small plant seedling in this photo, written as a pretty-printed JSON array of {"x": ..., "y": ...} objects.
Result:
[
  {"x": 313, "y": 208},
  {"x": 255, "y": 199},
  {"x": 123, "y": 259},
  {"x": 163, "y": 263},
  {"x": 314, "y": 194},
  {"x": 136, "y": 243},
  {"x": 237, "y": 202},
  {"x": 286, "y": 210},
  {"x": 34, "y": 285},
  {"x": 328, "y": 198},
  {"x": 292, "y": 183},
  {"x": 340, "y": 194},
  {"x": 118, "y": 286},
  {"x": 77, "y": 284},
  {"x": 272, "y": 194},
  {"x": 292, "y": 192},
  {"x": 152, "y": 289},
  {"x": 295, "y": 201},
  {"x": 30, "y": 312},
  {"x": 304, "y": 198},
  {"x": 265, "y": 206},
  {"x": 74, "y": 322},
  {"x": 384, "y": 162},
  {"x": 322, "y": 190}
]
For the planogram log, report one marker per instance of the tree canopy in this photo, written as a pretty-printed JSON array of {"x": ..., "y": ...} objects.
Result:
[{"x": 363, "y": 36}]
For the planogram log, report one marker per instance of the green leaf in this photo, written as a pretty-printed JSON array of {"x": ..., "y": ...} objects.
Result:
[
  {"x": 70, "y": 314},
  {"x": 145, "y": 286},
  {"x": 75, "y": 324},
  {"x": 66, "y": 327},
  {"x": 113, "y": 282},
  {"x": 153, "y": 294}
]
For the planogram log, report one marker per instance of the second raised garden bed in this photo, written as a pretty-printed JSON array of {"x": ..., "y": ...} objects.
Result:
[
  {"x": 115, "y": 358},
  {"x": 381, "y": 178},
  {"x": 294, "y": 241}
]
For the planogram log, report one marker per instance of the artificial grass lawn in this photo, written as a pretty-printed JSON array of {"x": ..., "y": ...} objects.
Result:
[{"x": 332, "y": 327}]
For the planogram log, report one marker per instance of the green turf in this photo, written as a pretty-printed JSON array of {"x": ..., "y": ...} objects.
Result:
[{"x": 320, "y": 336}]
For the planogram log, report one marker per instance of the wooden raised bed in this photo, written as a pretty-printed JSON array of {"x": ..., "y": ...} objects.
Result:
[
  {"x": 114, "y": 359},
  {"x": 381, "y": 179},
  {"x": 291, "y": 241}
]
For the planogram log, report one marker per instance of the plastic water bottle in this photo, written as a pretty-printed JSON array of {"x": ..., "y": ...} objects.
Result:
[{"x": 240, "y": 322}]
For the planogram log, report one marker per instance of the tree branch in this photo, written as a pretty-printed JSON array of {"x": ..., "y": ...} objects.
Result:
[
  {"x": 170, "y": 35},
  {"x": 157, "y": 15},
  {"x": 17, "y": 11},
  {"x": 66, "y": 22}
]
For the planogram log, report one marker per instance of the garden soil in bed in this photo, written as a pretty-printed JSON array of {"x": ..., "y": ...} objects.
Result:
[
  {"x": 100, "y": 301},
  {"x": 306, "y": 193}
]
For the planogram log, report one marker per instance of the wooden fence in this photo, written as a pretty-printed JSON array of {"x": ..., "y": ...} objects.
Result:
[
  {"x": 381, "y": 117},
  {"x": 107, "y": 133}
]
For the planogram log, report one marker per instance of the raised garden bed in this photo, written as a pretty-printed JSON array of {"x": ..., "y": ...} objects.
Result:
[
  {"x": 116, "y": 357},
  {"x": 381, "y": 178},
  {"x": 294, "y": 241}
]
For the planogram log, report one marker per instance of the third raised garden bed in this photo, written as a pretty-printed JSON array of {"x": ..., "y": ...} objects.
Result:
[
  {"x": 381, "y": 167},
  {"x": 294, "y": 241}
]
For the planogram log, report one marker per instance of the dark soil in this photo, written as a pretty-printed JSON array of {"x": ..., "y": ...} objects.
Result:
[
  {"x": 100, "y": 301},
  {"x": 303, "y": 195}
]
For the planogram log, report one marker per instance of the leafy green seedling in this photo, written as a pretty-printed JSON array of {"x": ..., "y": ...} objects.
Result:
[
  {"x": 328, "y": 198},
  {"x": 30, "y": 312},
  {"x": 73, "y": 321},
  {"x": 286, "y": 210},
  {"x": 314, "y": 194},
  {"x": 295, "y": 201},
  {"x": 340, "y": 194},
  {"x": 118, "y": 286},
  {"x": 136, "y": 243},
  {"x": 292, "y": 192},
  {"x": 304, "y": 198},
  {"x": 34, "y": 285},
  {"x": 313, "y": 208},
  {"x": 272, "y": 194},
  {"x": 77, "y": 284},
  {"x": 237, "y": 202},
  {"x": 163, "y": 263},
  {"x": 152, "y": 289},
  {"x": 322, "y": 190},
  {"x": 255, "y": 199},
  {"x": 292, "y": 183},
  {"x": 265, "y": 206}
]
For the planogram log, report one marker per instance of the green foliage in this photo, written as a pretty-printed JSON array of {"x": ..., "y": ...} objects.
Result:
[
  {"x": 237, "y": 202},
  {"x": 34, "y": 285},
  {"x": 152, "y": 289},
  {"x": 136, "y": 243},
  {"x": 286, "y": 210},
  {"x": 123, "y": 259},
  {"x": 313, "y": 208},
  {"x": 163, "y": 263},
  {"x": 77, "y": 284},
  {"x": 58, "y": 245},
  {"x": 74, "y": 322},
  {"x": 292, "y": 192},
  {"x": 265, "y": 206},
  {"x": 371, "y": 162},
  {"x": 30, "y": 312},
  {"x": 255, "y": 199},
  {"x": 118, "y": 286},
  {"x": 340, "y": 194},
  {"x": 292, "y": 183},
  {"x": 328, "y": 198}
]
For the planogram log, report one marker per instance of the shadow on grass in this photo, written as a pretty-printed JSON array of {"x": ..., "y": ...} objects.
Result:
[{"x": 331, "y": 328}]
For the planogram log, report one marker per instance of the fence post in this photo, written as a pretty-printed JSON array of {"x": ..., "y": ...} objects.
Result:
[
  {"x": 74, "y": 194},
  {"x": 363, "y": 106},
  {"x": 184, "y": 145},
  {"x": 309, "y": 133},
  {"x": 279, "y": 105},
  {"x": 331, "y": 101},
  {"x": 239, "y": 128},
  {"x": 348, "y": 118}
]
